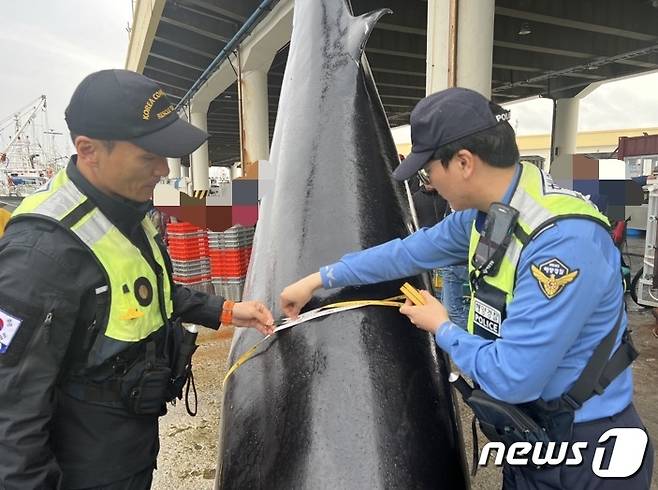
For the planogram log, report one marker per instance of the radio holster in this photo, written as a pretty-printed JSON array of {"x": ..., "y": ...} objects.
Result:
[{"x": 145, "y": 391}]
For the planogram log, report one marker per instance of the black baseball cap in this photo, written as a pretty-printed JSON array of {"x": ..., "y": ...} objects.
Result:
[
  {"x": 440, "y": 119},
  {"x": 127, "y": 106}
]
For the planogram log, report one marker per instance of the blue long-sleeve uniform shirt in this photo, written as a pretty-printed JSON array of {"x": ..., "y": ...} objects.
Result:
[{"x": 545, "y": 343}]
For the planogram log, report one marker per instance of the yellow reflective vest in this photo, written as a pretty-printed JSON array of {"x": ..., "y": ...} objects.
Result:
[
  {"x": 540, "y": 203},
  {"x": 140, "y": 301},
  {"x": 4, "y": 218}
]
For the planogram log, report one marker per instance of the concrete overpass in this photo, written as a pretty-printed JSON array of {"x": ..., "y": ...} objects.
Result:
[{"x": 506, "y": 49}]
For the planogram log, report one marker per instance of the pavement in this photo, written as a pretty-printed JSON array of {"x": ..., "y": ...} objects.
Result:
[{"x": 188, "y": 454}]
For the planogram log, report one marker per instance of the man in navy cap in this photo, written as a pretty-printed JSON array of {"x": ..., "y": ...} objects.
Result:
[
  {"x": 547, "y": 324},
  {"x": 91, "y": 343}
]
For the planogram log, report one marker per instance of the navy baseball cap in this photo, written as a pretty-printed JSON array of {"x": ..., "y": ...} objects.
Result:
[
  {"x": 127, "y": 106},
  {"x": 442, "y": 118}
]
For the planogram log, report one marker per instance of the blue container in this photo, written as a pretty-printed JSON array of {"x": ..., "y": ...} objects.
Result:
[{"x": 634, "y": 232}]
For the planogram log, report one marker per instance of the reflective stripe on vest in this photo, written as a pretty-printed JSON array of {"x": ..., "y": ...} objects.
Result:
[
  {"x": 539, "y": 202},
  {"x": 134, "y": 311}
]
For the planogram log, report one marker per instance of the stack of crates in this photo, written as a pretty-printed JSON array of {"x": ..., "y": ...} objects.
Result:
[
  {"x": 188, "y": 249},
  {"x": 230, "y": 252}
]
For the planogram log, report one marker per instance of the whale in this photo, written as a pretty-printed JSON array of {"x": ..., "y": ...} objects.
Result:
[{"x": 357, "y": 399}]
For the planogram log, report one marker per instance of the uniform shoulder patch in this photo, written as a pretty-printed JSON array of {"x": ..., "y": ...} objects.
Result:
[
  {"x": 8, "y": 327},
  {"x": 553, "y": 276}
]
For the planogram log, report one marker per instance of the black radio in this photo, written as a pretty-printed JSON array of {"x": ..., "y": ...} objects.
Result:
[{"x": 495, "y": 238}]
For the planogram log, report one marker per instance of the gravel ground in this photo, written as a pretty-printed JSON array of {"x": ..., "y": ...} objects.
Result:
[
  {"x": 188, "y": 453},
  {"x": 188, "y": 445}
]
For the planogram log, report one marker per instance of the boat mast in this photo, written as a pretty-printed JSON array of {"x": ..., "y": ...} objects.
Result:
[{"x": 20, "y": 127}]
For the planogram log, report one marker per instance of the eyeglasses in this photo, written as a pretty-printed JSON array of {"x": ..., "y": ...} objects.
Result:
[{"x": 424, "y": 176}]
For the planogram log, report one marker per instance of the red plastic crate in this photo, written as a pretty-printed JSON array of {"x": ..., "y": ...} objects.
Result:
[
  {"x": 228, "y": 276},
  {"x": 228, "y": 267},
  {"x": 177, "y": 255},
  {"x": 191, "y": 279},
  {"x": 182, "y": 227}
]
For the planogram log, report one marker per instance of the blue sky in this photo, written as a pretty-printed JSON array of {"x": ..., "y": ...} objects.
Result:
[{"x": 48, "y": 46}]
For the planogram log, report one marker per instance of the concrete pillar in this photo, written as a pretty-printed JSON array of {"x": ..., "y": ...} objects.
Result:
[
  {"x": 438, "y": 35},
  {"x": 564, "y": 140},
  {"x": 255, "y": 116},
  {"x": 475, "y": 45},
  {"x": 199, "y": 159},
  {"x": 474, "y": 49},
  {"x": 174, "y": 168}
]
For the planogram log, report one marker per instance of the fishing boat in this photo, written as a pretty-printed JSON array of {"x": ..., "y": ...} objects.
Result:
[{"x": 28, "y": 154}]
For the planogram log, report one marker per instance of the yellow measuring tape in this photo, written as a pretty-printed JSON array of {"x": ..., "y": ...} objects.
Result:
[
  {"x": 397, "y": 301},
  {"x": 412, "y": 294}
]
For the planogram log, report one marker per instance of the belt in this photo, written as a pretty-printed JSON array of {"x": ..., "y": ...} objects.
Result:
[{"x": 109, "y": 391}]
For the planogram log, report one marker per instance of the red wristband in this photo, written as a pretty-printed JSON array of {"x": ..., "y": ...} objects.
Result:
[{"x": 227, "y": 312}]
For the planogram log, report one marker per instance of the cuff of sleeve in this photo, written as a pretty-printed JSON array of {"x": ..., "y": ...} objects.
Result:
[
  {"x": 210, "y": 314},
  {"x": 447, "y": 334},
  {"x": 328, "y": 275}
]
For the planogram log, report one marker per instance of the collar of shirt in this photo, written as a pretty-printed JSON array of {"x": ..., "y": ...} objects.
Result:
[
  {"x": 124, "y": 213},
  {"x": 507, "y": 197}
]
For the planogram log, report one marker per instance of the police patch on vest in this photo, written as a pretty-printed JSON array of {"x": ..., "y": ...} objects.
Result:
[
  {"x": 487, "y": 317},
  {"x": 143, "y": 291},
  {"x": 553, "y": 276},
  {"x": 549, "y": 187}
]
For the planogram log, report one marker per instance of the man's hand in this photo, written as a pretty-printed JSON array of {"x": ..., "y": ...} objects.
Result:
[
  {"x": 253, "y": 314},
  {"x": 427, "y": 317},
  {"x": 294, "y": 297}
]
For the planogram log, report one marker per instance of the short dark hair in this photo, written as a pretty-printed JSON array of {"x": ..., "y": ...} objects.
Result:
[
  {"x": 496, "y": 145},
  {"x": 108, "y": 144}
]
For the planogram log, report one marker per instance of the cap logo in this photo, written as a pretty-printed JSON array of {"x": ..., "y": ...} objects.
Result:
[
  {"x": 166, "y": 112},
  {"x": 505, "y": 116},
  {"x": 146, "y": 113}
]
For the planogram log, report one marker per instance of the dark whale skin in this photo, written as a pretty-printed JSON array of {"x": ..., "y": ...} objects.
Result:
[{"x": 359, "y": 399}]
